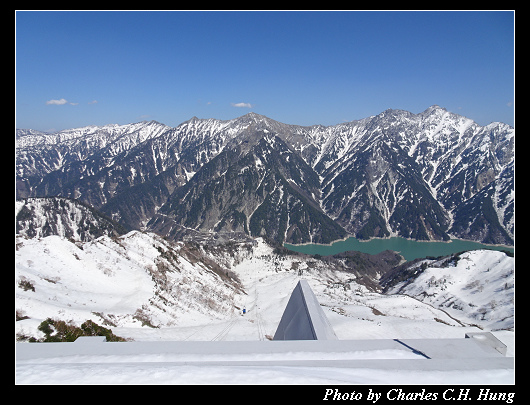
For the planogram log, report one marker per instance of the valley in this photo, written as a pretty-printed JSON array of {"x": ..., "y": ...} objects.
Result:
[{"x": 145, "y": 288}]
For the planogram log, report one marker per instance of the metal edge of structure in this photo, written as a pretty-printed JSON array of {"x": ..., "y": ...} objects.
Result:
[{"x": 303, "y": 318}]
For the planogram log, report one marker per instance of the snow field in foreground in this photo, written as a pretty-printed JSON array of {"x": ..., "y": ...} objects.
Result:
[{"x": 160, "y": 373}]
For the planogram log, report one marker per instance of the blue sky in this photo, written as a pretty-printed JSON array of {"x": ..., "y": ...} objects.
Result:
[{"x": 82, "y": 68}]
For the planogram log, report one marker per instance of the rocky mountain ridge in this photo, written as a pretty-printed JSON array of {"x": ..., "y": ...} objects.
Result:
[
  {"x": 69, "y": 219},
  {"x": 427, "y": 176}
]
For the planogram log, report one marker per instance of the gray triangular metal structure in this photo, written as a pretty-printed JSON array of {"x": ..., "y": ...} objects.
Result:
[{"x": 303, "y": 318}]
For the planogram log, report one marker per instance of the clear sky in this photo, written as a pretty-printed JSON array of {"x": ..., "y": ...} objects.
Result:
[{"x": 93, "y": 68}]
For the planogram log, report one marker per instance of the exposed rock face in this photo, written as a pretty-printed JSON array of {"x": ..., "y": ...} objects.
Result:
[{"x": 71, "y": 219}]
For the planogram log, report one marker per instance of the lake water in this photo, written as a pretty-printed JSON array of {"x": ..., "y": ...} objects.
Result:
[{"x": 409, "y": 249}]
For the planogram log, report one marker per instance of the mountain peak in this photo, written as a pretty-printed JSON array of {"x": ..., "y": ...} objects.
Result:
[
  {"x": 256, "y": 120},
  {"x": 391, "y": 112},
  {"x": 253, "y": 116},
  {"x": 433, "y": 108},
  {"x": 152, "y": 122}
]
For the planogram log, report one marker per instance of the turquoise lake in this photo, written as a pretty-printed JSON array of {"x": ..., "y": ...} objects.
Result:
[{"x": 409, "y": 249}]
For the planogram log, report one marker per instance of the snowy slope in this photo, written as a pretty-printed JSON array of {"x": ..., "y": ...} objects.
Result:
[
  {"x": 137, "y": 280},
  {"x": 354, "y": 311},
  {"x": 478, "y": 289}
]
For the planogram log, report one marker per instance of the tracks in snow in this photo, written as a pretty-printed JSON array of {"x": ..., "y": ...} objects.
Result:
[
  {"x": 259, "y": 321},
  {"x": 222, "y": 334}
]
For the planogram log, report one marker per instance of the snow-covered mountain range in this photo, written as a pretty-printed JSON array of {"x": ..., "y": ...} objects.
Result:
[{"x": 425, "y": 176}]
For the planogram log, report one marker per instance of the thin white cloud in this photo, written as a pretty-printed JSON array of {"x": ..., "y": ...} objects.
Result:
[
  {"x": 56, "y": 102},
  {"x": 63, "y": 101},
  {"x": 241, "y": 105}
]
